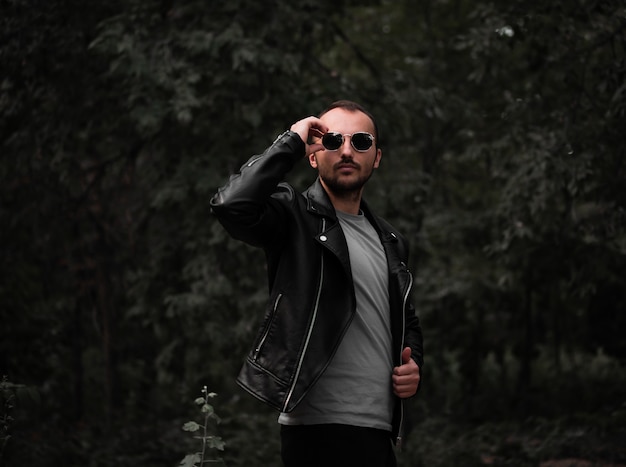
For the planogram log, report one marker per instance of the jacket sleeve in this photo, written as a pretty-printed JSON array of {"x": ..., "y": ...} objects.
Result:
[{"x": 251, "y": 205}]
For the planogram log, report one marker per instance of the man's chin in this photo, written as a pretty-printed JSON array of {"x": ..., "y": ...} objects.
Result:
[{"x": 344, "y": 187}]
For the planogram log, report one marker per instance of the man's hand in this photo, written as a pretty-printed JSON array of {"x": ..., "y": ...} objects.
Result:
[
  {"x": 406, "y": 377},
  {"x": 310, "y": 127}
]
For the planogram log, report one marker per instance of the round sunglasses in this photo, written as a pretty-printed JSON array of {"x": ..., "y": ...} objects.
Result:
[{"x": 360, "y": 141}]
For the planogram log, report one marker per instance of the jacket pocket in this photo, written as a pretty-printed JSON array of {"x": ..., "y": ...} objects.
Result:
[{"x": 267, "y": 326}]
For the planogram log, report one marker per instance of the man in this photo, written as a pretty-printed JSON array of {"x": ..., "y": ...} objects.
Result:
[{"x": 341, "y": 345}]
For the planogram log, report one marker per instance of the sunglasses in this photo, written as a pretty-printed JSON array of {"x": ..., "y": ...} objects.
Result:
[{"x": 360, "y": 141}]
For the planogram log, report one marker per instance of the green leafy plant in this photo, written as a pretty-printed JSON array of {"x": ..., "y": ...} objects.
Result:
[{"x": 208, "y": 441}]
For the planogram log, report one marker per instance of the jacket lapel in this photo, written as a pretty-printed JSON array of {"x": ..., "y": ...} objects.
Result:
[{"x": 330, "y": 235}]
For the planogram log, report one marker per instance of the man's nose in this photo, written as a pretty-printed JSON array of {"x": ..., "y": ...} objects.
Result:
[{"x": 346, "y": 146}]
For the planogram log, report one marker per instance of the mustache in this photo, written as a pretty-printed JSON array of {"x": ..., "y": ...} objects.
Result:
[{"x": 346, "y": 163}]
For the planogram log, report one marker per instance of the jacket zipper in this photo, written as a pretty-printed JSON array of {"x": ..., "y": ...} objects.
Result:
[
  {"x": 404, "y": 300},
  {"x": 253, "y": 161},
  {"x": 310, "y": 330},
  {"x": 267, "y": 328}
]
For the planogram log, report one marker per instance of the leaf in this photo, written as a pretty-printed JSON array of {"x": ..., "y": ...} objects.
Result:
[
  {"x": 190, "y": 460},
  {"x": 191, "y": 426},
  {"x": 215, "y": 442}
]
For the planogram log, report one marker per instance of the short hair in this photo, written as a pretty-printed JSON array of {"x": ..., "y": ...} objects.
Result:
[{"x": 353, "y": 107}]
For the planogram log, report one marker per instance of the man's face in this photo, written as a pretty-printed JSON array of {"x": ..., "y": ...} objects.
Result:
[{"x": 346, "y": 170}]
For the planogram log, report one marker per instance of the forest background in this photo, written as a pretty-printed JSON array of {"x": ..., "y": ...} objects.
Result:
[{"x": 504, "y": 165}]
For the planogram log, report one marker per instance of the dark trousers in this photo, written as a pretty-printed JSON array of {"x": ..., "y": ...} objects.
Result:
[{"x": 335, "y": 446}]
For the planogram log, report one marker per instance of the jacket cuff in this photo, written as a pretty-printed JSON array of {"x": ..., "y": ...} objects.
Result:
[{"x": 292, "y": 140}]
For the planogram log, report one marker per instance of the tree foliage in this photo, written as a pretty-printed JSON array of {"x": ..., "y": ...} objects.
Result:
[{"x": 503, "y": 162}]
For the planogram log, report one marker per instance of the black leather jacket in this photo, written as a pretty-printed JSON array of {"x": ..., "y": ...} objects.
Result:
[{"x": 312, "y": 298}]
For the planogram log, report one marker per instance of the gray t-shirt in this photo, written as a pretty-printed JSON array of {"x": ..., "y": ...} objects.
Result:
[{"x": 356, "y": 387}]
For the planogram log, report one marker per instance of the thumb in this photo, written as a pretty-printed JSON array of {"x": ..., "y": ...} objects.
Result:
[{"x": 406, "y": 355}]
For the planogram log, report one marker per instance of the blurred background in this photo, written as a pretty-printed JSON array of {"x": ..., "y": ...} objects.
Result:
[{"x": 503, "y": 163}]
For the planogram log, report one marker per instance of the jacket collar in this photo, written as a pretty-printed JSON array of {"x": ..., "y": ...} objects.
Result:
[{"x": 319, "y": 203}]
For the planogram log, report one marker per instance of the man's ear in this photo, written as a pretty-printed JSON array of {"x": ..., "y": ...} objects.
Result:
[
  {"x": 379, "y": 155},
  {"x": 313, "y": 160}
]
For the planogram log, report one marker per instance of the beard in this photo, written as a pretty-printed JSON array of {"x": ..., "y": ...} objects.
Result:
[{"x": 344, "y": 186}]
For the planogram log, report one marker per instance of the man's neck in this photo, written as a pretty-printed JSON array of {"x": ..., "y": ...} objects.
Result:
[{"x": 346, "y": 202}]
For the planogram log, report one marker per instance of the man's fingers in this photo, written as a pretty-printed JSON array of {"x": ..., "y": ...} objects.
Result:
[
  {"x": 406, "y": 377},
  {"x": 405, "y": 386},
  {"x": 307, "y": 128},
  {"x": 315, "y": 132},
  {"x": 406, "y": 355}
]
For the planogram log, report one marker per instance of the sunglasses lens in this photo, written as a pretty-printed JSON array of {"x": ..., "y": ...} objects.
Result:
[
  {"x": 362, "y": 141},
  {"x": 332, "y": 141}
]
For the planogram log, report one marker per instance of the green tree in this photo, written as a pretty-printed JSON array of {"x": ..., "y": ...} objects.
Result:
[{"x": 503, "y": 163}]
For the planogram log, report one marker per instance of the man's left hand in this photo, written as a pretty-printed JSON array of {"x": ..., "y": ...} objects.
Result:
[{"x": 406, "y": 377}]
